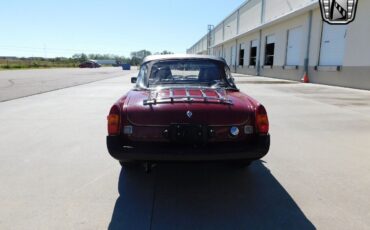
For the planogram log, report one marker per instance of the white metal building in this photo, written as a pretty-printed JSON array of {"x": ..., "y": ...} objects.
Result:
[{"x": 286, "y": 38}]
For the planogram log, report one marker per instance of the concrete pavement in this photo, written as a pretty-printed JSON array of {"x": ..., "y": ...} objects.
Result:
[{"x": 56, "y": 172}]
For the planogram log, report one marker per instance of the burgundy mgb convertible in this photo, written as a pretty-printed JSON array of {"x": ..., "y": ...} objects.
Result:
[{"x": 186, "y": 108}]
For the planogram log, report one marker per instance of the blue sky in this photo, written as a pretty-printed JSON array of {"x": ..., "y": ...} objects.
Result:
[{"x": 62, "y": 28}]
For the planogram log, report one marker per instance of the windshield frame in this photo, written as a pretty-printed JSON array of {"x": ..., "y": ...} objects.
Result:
[{"x": 146, "y": 70}]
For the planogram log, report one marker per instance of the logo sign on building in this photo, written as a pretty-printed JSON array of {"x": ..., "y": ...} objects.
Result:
[{"x": 338, "y": 12}]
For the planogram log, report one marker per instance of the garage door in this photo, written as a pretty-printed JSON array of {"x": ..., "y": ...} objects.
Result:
[
  {"x": 242, "y": 54},
  {"x": 294, "y": 48},
  {"x": 270, "y": 39},
  {"x": 253, "y": 53},
  {"x": 233, "y": 55},
  {"x": 333, "y": 45},
  {"x": 269, "y": 50}
]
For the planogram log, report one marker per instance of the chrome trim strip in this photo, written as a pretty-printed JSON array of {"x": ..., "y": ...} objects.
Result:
[
  {"x": 220, "y": 97},
  {"x": 171, "y": 94},
  {"x": 171, "y": 99},
  {"x": 218, "y": 125},
  {"x": 221, "y": 100},
  {"x": 204, "y": 94},
  {"x": 187, "y": 94}
]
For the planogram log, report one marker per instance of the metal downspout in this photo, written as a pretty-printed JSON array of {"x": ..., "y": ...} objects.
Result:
[
  {"x": 306, "y": 60},
  {"x": 260, "y": 38},
  {"x": 259, "y": 54}
]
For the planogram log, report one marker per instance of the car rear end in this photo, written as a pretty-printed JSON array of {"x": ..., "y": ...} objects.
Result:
[
  {"x": 192, "y": 140},
  {"x": 187, "y": 108}
]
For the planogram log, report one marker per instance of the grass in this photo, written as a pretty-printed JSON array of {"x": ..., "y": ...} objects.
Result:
[{"x": 36, "y": 64}]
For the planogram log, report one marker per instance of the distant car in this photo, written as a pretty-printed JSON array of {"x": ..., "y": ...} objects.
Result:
[
  {"x": 186, "y": 108},
  {"x": 89, "y": 64},
  {"x": 126, "y": 67}
]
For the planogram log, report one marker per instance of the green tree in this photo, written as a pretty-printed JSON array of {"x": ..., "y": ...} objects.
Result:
[
  {"x": 138, "y": 56},
  {"x": 80, "y": 57},
  {"x": 164, "y": 52}
]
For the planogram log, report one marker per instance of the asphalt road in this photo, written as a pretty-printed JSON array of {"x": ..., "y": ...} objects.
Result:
[
  {"x": 55, "y": 172},
  {"x": 21, "y": 83}
]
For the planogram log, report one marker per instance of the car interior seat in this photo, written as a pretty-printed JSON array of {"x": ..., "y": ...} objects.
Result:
[
  {"x": 164, "y": 73},
  {"x": 208, "y": 74}
]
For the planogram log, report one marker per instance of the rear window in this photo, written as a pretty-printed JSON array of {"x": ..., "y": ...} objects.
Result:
[{"x": 186, "y": 72}]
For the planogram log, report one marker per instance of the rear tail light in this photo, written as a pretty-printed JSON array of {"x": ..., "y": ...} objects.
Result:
[
  {"x": 262, "y": 121},
  {"x": 114, "y": 121}
]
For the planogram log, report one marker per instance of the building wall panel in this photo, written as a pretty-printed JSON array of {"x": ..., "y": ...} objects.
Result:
[
  {"x": 231, "y": 26},
  {"x": 357, "y": 40},
  {"x": 280, "y": 31},
  {"x": 277, "y": 8},
  {"x": 204, "y": 44},
  {"x": 217, "y": 51},
  {"x": 315, "y": 42},
  {"x": 219, "y": 34},
  {"x": 250, "y": 16}
]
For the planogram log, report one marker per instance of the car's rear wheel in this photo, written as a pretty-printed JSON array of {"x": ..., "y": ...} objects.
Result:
[
  {"x": 136, "y": 164},
  {"x": 242, "y": 163}
]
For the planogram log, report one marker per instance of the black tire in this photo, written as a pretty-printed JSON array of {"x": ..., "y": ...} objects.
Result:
[{"x": 242, "y": 163}]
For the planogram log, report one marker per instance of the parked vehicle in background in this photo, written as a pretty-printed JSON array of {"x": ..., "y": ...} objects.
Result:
[
  {"x": 126, "y": 67},
  {"x": 186, "y": 108},
  {"x": 89, "y": 64}
]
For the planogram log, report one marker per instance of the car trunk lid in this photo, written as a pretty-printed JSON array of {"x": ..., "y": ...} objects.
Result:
[{"x": 187, "y": 106}]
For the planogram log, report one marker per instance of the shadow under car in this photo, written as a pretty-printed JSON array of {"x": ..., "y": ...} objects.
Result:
[{"x": 204, "y": 196}]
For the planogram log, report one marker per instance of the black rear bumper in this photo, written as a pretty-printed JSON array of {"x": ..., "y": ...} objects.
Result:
[{"x": 256, "y": 149}]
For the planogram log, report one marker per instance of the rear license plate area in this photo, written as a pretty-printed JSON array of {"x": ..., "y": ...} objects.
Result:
[{"x": 184, "y": 133}]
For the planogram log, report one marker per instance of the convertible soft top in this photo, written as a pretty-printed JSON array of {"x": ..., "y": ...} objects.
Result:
[{"x": 181, "y": 56}]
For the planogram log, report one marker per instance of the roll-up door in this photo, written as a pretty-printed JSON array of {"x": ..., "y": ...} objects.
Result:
[
  {"x": 255, "y": 43},
  {"x": 294, "y": 48},
  {"x": 333, "y": 45},
  {"x": 241, "y": 54},
  {"x": 253, "y": 53},
  {"x": 270, "y": 39},
  {"x": 270, "y": 50},
  {"x": 233, "y": 56}
]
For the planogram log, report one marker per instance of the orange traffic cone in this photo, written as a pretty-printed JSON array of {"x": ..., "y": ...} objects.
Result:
[{"x": 305, "y": 78}]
